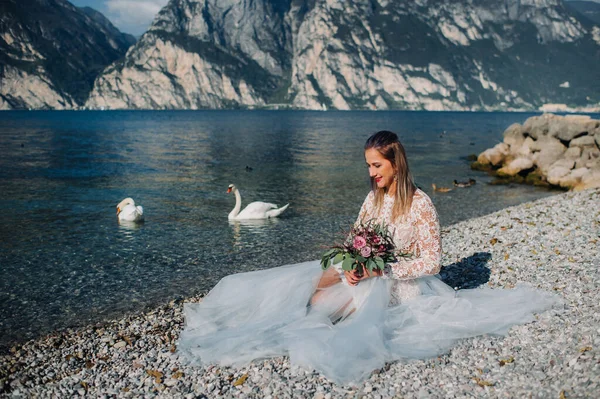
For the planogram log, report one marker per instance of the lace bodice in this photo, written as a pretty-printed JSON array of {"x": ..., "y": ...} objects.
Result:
[{"x": 417, "y": 233}]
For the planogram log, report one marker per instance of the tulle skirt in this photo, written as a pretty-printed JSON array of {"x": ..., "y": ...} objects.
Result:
[{"x": 349, "y": 331}]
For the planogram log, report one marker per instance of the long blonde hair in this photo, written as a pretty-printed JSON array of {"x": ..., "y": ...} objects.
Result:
[{"x": 388, "y": 145}]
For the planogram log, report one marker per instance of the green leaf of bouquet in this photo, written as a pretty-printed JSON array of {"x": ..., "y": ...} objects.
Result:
[
  {"x": 325, "y": 263},
  {"x": 330, "y": 252},
  {"x": 371, "y": 264},
  {"x": 379, "y": 262},
  {"x": 348, "y": 262},
  {"x": 361, "y": 259},
  {"x": 338, "y": 258}
]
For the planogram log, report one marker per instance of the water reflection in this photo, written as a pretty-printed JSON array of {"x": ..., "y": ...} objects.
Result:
[
  {"x": 129, "y": 230},
  {"x": 127, "y": 226},
  {"x": 243, "y": 230}
]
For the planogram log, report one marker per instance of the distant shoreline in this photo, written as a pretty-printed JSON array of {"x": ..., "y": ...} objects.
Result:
[{"x": 515, "y": 111}]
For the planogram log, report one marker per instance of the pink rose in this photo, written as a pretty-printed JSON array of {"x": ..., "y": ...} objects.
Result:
[
  {"x": 359, "y": 242},
  {"x": 365, "y": 252}
]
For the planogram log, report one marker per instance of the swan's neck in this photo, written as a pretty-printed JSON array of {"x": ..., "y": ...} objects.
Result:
[{"x": 238, "y": 205}]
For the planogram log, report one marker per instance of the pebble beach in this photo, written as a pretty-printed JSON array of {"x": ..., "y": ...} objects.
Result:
[{"x": 552, "y": 244}]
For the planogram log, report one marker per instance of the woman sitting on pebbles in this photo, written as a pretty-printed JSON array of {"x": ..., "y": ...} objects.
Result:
[{"x": 346, "y": 324}]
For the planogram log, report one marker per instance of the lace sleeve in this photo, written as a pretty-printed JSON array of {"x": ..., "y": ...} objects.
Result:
[
  {"x": 366, "y": 210},
  {"x": 427, "y": 248}
]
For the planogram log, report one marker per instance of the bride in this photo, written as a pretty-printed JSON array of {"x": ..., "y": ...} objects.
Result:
[{"x": 347, "y": 324}]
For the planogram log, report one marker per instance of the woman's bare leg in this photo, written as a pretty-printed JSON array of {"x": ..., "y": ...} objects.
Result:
[
  {"x": 331, "y": 277},
  {"x": 328, "y": 278}
]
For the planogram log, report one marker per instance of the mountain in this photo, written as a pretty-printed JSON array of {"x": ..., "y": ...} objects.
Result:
[
  {"x": 589, "y": 9},
  {"x": 51, "y": 52},
  {"x": 377, "y": 54},
  {"x": 107, "y": 26},
  {"x": 308, "y": 54}
]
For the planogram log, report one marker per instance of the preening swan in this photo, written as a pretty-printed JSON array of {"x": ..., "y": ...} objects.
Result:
[
  {"x": 128, "y": 212},
  {"x": 254, "y": 210}
]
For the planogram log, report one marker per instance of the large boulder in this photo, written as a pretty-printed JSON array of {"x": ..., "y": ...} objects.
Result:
[
  {"x": 513, "y": 135},
  {"x": 573, "y": 153},
  {"x": 494, "y": 155},
  {"x": 590, "y": 180},
  {"x": 568, "y": 127},
  {"x": 592, "y": 163},
  {"x": 573, "y": 178},
  {"x": 583, "y": 141},
  {"x": 589, "y": 157},
  {"x": 538, "y": 126},
  {"x": 558, "y": 170},
  {"x": 555, "y": 174},
  {"x": 515, "y": 166},
  {"x": 523, "y": 149},
  {"x": 547, "y": 150}
]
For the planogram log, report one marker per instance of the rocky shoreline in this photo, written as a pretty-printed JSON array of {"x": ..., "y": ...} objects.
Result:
[
  {"x": 550, "y": 150},
  {"x": 552, "y": 244}
]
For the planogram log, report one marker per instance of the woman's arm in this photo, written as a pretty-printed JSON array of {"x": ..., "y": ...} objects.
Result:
[
  {"x": 429, "y": 245},
  {"x": 366, "y": 210},
  {"x": 365, "y": 213}
]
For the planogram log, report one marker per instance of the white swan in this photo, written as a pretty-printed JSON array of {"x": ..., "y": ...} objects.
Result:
[
  {"x": 254, "y": 210},
  {"x": 128, "y": 212}
]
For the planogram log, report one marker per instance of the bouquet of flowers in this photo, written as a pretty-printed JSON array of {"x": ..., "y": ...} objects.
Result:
[{"x": 369, "y": 245}]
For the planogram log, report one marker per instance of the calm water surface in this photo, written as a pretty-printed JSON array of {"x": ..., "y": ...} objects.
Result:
[{"x": 65, "y": 261}]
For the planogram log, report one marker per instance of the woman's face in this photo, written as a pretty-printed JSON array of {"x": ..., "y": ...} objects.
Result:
[{"x": 380, "y": 169}]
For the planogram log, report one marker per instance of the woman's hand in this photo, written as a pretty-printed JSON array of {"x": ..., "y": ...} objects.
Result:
[{"x": 353, "y": 277}]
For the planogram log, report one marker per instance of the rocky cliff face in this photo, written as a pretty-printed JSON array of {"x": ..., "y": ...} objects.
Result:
[
  {"x": 438, "y": 55},
  {"x": 312, "y": 54},
  {"x": 208, "y": 54},
  {"x": 51, "y": 52},
  {"x": 315, "y": 54}
]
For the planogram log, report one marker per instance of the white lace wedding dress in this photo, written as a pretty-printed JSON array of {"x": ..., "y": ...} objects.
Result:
[{"x": 408, "y": 313}]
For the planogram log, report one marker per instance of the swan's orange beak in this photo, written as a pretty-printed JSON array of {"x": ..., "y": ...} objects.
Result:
[
  {"x": 228, "y": 190},
  {"x": 118, "y": 210}
]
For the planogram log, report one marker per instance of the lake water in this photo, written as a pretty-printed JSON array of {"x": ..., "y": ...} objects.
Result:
[{"x": 65, "y": 261}]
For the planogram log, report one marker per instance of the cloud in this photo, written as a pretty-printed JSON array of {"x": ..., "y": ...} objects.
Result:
[{"x": 133, "y": 16}]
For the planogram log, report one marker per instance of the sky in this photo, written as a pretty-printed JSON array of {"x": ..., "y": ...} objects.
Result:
[{"x": 129, "y": 16}]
